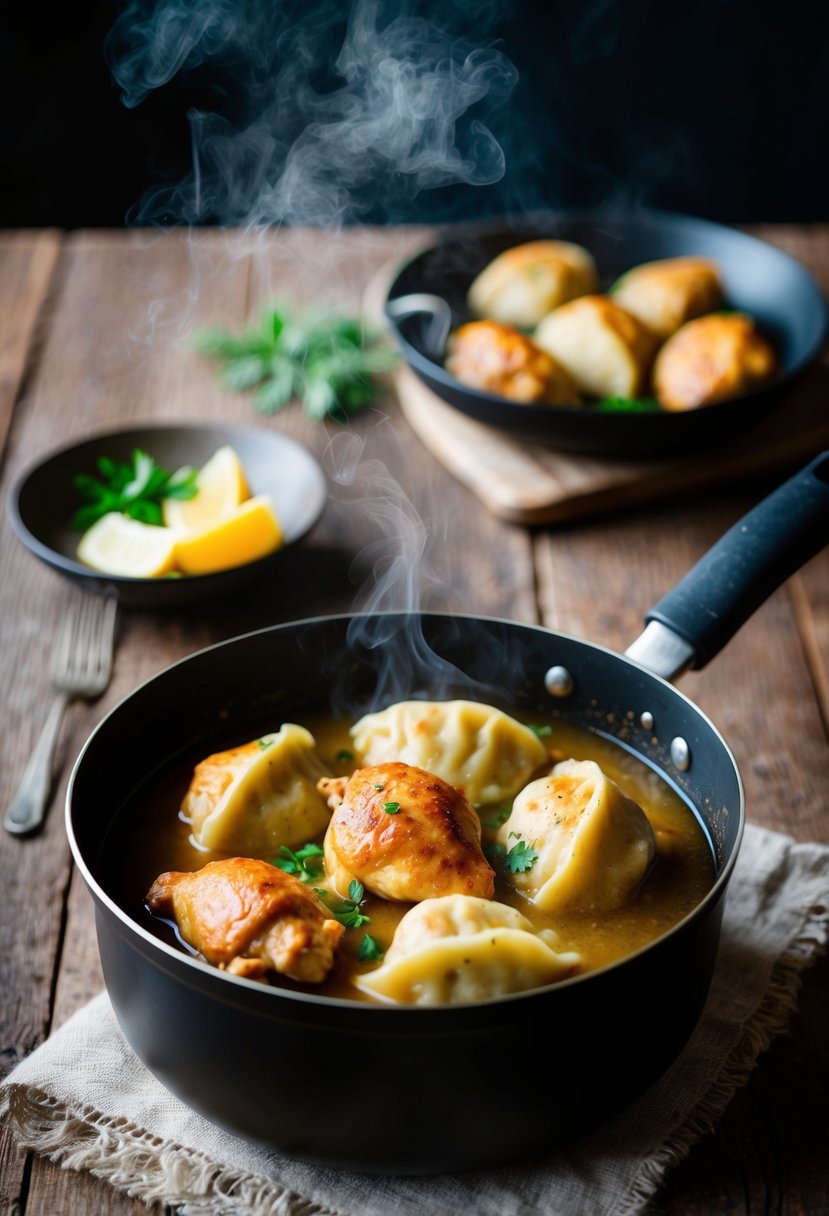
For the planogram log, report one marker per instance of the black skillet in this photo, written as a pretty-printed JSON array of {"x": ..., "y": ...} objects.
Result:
[
  {"x": 428, "y": 298},
  {"x": 415, "y": 1090}
]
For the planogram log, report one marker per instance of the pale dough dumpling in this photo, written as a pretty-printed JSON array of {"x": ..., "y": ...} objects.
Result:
[
  {"x": 252, "y": 799},
  {"x": 475, "y": 746},
  {"x": 606, "y": 350},
  {"x": 594, "y": 844},
  {"x": 666, "y": 294},
  {"x": 524, "y": 283},
  {"x": 460, "y": 949}
]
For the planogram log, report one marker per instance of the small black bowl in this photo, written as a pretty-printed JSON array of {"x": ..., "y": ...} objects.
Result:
[
  {"x": 44, "y": 499},
  {"x": 777, "y": 291}
]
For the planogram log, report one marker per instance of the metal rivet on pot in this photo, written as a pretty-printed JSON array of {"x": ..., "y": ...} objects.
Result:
[
  {"x": 559, "y": 682},
  {"x": 680, "y": 753},
  {"x": 646, "y": 720}
]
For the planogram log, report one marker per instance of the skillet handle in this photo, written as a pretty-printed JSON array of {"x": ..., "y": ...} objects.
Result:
[
  {"x": 692, "y": 623},
  {"x": 437, "y": 314}
]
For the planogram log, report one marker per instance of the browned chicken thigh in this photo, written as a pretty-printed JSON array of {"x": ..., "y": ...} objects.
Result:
[
  {"x": 405, "y": 834},
  {"x": 249, "y": 918}
]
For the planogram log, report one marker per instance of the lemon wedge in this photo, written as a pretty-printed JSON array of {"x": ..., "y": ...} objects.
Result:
[
  {"x": 245, "y": 534},
  {"x": 221, "y": 486},
  {"x": 116, "y": 544}
]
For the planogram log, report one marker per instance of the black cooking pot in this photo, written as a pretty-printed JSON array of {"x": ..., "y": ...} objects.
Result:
[
  {"x": 407, "y": 1089},
  {"x": 427, "y": 299}
]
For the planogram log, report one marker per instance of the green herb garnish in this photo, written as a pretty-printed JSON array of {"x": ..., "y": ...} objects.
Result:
[
  {"x": 501, "y": 815},
  {"x": 541, "y": 731},
  {"x": 330, "y": 362},
  {"x": 304, "y": 863},
  {"x": 348, "y": 911},
  {"x": 391, "y": 808},
  {"x": 369, "y": 949},
  {"x": 628, "y": 405},
  {"x": 344, "y": 756},
  {"x": 135, "y": 489},
  {"x": 520, "y": 857},
  {"x": 264, "y": 744}
]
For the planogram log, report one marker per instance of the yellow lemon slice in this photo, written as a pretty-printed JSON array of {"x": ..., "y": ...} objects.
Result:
[
  {"x": 117, "y": 544},
  {"x": 221, "y": 485},
  {"x": 250, "y": 531}
]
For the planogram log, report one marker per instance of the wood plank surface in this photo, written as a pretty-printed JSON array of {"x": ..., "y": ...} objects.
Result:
[
  {"x": 398, "y": 531},
  {"x": 27, "y": 269}
]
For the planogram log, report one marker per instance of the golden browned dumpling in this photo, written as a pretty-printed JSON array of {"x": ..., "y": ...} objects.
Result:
[
  {"x": 524, "y": 283},
  {"x": 712, "y": 359},
  {"x": 666, "y": 294},
  {"x": 249, "y": 918},
  {"x": 404, "y": 834},
  {"x": 607, "y": 351},
  {"x": 498, "y": 359}
]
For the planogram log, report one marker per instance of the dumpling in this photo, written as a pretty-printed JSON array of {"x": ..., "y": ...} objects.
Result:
[
  {"x": 254, "y": 798},
  {"x": 250, "y": 918},
  {"x": 499, "y": 359},
  {"x": 712, "y": 359},
  {"x": 404, "y": 834},
  {"x": 666, "y": 294},
  {"x": 475, "y": 746},
  {"x": 594, "y": 844},
  {"x": 460, "y": 949},
  {"x": 524, "y": 283},
  {"x": 607, "y": 351}
]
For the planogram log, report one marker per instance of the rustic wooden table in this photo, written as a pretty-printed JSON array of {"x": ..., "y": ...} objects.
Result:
[{"x": 93, "y": 331}]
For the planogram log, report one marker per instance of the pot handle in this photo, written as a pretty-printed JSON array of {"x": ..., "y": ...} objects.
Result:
[
  {"x": 692, "y": 623},
  {"x": 438, "y": 326}
]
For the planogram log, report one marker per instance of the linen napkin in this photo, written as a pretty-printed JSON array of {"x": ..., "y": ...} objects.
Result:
[{"x": 87, "y": 1102}]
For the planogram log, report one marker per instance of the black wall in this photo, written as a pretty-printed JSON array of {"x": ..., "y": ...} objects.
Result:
[{"x": 716, "y": 109}]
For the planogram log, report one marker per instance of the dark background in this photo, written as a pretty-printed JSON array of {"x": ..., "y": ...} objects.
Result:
[{"x": 715, "y": 109}]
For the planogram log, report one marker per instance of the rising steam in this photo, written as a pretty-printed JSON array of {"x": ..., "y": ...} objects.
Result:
[{"x": 403, "y": 112}]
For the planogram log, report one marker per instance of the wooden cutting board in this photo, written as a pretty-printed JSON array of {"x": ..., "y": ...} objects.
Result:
[{"x": 526, "y": 482}]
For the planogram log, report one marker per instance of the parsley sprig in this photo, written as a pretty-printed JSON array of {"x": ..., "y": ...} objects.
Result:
[
  {"x": 330, "y": 362},
  {"x": 521, "y": 857},
  {"x": 304, "y": 863},
  {"x": 135, "y": 489},
  {"x": 348, "y": 911},
  {"x": 369, "y": 949}
]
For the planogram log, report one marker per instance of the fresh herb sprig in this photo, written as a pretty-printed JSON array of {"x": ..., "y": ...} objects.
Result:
[
  {"x": 135, "y": 489},
  {"x": 628, "y": 405},
  {"x": 369, "y": 949},
  {"x": 521, "y": 857},
  {"x": 330, "y": 362},
  {"x": 304, "y": 863},
  {"x": 348, "y": 911}
]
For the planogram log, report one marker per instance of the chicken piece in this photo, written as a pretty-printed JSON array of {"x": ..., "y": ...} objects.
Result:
[
  {"x": 405, "y": 834},
  {"x": 712, "y": 359},
  {"x": 498, "y": 359},
  {"x": 250, "y": 917},
  {"x": 666, "y": 294}
]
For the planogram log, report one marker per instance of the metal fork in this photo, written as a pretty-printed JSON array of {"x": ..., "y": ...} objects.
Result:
[{"x": 82, "y": 668}]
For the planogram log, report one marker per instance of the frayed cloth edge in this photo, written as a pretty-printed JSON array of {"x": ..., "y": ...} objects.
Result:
[{"x": 141, "y": 1165}]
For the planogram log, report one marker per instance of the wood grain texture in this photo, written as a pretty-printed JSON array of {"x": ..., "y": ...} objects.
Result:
[
  {"x": 27, "y": 268},
  {"x": 398, "y": 531}
]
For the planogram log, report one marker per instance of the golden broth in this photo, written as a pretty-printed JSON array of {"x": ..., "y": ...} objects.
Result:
[{"x": 150, "y": 836}]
